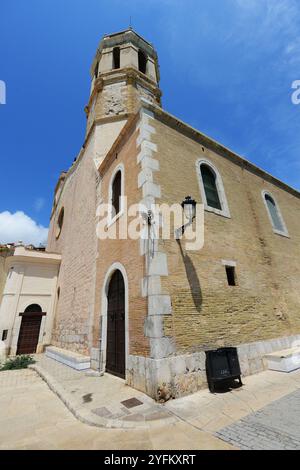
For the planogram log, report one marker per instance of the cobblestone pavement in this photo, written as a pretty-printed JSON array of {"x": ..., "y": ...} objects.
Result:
[{"x": 276, "y": 426}]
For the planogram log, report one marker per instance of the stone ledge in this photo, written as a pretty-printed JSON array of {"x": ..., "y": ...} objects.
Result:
[
  {"x": 75, "y": 360},
  {"x": 252, "y": 356},
  {"x": 286, "y": 360}
]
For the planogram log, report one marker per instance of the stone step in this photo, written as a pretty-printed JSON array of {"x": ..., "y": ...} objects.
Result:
[
  {"x": 72, "y": 359},
  {"x": 284, "y": 361}
]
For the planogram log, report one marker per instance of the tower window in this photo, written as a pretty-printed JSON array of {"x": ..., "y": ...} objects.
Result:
[
  {"x": 231, "y": 276},
  {"x": 116, "y": 58},
  {"x": 4, "y": 335},
  {"x": 142, "y": 62},
  {"x": 116, "y": 193},
  {"x": 96, "y": 70}
]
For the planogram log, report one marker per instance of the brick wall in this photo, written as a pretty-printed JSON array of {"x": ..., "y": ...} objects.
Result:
[
  {"x": 124, "y": 251},
  {"x": 207, "y": 312},
  {"x": 77, "y": 244}
]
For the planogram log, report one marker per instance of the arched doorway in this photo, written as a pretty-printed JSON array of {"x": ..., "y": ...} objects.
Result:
[
  {"x": 30, "y": 329},
  {"x": 115, "y": 344}
]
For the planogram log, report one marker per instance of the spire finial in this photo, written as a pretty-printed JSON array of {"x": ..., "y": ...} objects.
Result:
[{"x": 130, "y": 23}]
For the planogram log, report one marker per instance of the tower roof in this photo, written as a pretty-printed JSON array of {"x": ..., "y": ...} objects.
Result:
[{"x": 123, "y": 37}]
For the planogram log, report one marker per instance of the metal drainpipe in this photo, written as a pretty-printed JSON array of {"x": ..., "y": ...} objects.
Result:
[
  {"x": 100, "y": 348},
  {"x": 100, "y": 357}
]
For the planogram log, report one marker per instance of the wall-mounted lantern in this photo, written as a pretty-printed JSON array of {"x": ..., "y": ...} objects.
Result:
[{"x": 189, "y": 209}]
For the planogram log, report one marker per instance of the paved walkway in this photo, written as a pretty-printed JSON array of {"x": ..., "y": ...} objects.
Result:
[
  {"x": 32, "y": 416},
  {"x": 101, "y": 401},
  {"x": 274, "y": 427},
  {"x": 214, "y": 412}
]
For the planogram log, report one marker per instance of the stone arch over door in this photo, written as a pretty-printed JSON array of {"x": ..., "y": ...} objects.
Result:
[
  {"x": 114, "y": 321},
  {"x": 30, "y": 329}
]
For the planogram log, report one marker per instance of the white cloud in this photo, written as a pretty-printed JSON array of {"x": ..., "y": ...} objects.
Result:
[{"x": 20, "y": 227}]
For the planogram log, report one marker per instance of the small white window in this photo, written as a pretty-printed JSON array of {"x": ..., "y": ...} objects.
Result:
[
  {"x": 116, "y": 194},
  {"x": 274, "y": 214},
  {"x": 212, "y": 189}
]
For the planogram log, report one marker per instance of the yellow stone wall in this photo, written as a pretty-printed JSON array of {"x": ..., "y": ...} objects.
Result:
[
  {"x": 207, "y": 312},
  {"x": 77, "y": 245}
]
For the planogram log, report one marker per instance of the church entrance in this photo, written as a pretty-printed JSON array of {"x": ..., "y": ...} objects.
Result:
[
  {"x": 30, "y": 329},
  {"x": 115, "y": 353}
]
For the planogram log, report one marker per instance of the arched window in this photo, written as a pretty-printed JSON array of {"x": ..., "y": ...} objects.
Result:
[
  {"x": 142, "y": 62},
  {"x": 116, "y": 193},
  {"x": 35, "y": 308},
  {"x": 116, "y": 58},
  {"x": 210, "y": 187},
  {"x": 275, "y": 214}
]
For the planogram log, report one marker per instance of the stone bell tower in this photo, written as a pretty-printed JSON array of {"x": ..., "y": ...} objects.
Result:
[{"x": 125, "y": 69}]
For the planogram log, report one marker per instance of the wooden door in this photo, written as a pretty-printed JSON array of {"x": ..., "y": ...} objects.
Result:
[
  {"x": 29, "y": 333},
  {"x": 115, "y": 353}
]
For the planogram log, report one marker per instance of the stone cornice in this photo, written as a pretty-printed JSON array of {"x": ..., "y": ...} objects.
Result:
[
  {"x": 211, "y": 144},
  {"x": 130, "y": 75},
  {"x": 120, "y": 39},
  {"x": 60, "y": 179},
  {"x": 21, "y": 255},
  {"x": 204, "y": 140}
]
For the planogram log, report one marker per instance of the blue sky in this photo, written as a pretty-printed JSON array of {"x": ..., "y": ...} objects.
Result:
[{"x": 227, "y": 67}]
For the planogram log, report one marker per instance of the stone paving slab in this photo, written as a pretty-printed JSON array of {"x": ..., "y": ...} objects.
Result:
[
  {"x": 275, "y": 427},
  {"x": 32, "y": 417},
  {"x": 212, "y": 412},
  {"x": 15, "y": 378},
  {"x": 86, "y": 396}
]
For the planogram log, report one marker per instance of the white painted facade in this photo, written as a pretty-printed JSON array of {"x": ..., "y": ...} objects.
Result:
[{"x": 31, "y": 279}]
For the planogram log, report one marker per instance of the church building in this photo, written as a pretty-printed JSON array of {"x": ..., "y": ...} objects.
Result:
[{"x": 147, "y": 309}]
